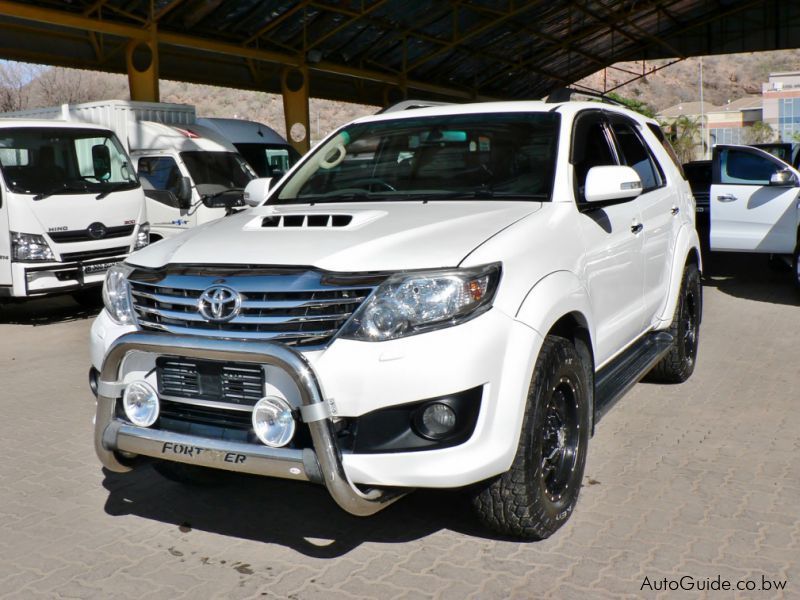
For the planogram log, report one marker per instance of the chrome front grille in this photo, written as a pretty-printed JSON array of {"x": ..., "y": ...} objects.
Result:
[{"x": 299, "y": 308}]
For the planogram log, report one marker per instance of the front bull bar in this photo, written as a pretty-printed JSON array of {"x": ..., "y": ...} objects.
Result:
[{"x": 112, "y": 435}]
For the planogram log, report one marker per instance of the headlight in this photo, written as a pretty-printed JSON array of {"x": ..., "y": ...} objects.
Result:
[
  {"x": 30, "y": 247},
  {"x": 142, "y": 237},
  {"x": 116, "y": 294},
  {"x": 410, "y": 303}
]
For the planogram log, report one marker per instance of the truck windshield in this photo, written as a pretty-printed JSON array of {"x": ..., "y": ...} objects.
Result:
[
  {"x": 268, "y": 160},
  {"x": 509, "y": 156},
  {"x": 47, "y": 161},
  {"x": 216, "y": 171}
]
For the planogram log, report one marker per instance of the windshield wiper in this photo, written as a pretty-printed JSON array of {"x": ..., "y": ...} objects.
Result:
[
  {"x": 64, "y": 186},
  {"x": 113, "y": 187}
]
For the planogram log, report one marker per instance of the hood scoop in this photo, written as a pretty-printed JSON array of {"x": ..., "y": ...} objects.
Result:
[{"x": 313, "y": 220}]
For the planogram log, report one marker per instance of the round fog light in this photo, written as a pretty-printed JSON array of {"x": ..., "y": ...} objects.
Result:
[
  {"x": 273, "y": 421},
  {"x": 437, "y": 420},
  {"x": 140, "y": 402}
]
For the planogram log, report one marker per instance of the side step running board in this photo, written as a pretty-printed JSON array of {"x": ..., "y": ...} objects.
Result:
[{"x": 622, "y": 373}]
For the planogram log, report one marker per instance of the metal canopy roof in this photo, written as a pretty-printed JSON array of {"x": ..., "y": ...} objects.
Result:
[{"x": 377, "y": 51}]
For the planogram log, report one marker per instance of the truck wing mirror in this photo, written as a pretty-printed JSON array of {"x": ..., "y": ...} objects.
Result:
[
  {"x": 256, "y": 191},
  {"x": 101, "y": 162},
  {"x": 784, "y": 178},
  {"x": 184, "y": 194}
]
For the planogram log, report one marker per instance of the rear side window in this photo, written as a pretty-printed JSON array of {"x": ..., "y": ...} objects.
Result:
[
  {"x": 635, "y": 154},
  {"x": 667, "y": 146}
]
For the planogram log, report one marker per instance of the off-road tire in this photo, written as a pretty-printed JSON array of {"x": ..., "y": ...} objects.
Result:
[
  {"x": 188, "y": 474},
  {"x": 678, "y": 364},
  {"x": 796, "y": 267},
  {"x": 521, "y": 502}
]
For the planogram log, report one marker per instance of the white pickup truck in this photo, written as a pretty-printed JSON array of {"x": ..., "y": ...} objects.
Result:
[
  {"x": 755, "y": 204},
  {"x": 445, "y": 297},
  {"x": 70, "y": 207}
]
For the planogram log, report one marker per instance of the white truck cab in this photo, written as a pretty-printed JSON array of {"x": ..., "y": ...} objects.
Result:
[
  {"x": 70, "y": 207},
  {"x": 191, "y": 174},
  {"x": 754, "y": 203}
]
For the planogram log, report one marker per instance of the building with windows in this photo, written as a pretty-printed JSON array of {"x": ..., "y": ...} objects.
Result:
[
  {"x": 728, "y": 124},
  {"x": 781, "y": 97}
]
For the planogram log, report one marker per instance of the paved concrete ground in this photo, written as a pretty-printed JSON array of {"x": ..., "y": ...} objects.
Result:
[{"x": 699, "y": 480}]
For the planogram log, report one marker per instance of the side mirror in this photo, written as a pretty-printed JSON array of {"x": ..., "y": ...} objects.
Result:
[
  {"x": 784, "y": 178},
  {"x": 184, "y": 194},
  {"x": 612, "y": 184},
  {"x": 101, "y": 162},
  {"x": 257, "y": 191}
]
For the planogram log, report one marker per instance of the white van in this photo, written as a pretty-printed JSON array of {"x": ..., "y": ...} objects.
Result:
[
  {"x": 190, "y": 173},
  {"x": 70, "y": 207}
]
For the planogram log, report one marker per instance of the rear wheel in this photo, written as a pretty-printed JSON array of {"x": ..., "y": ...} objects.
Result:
[
  {"x": 534, "y": 498},
  {"x": 678, "y": 364}
]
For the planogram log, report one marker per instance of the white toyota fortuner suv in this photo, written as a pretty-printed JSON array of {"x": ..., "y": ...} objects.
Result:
[{"x": 445, "y": 297}]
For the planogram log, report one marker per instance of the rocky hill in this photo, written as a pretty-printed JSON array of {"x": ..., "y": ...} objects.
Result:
[{"x": 725, "y": 78}]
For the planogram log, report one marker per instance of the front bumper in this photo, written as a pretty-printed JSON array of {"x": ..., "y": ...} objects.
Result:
[
  {"x": 493, "y": 351},
  {"x": 36, "y": 279},
  {"x": 113, "y": 436}
]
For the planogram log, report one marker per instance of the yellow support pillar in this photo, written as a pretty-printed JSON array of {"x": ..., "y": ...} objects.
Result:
[
  {"x": 294, "y": 84},
  {"x": 142, "y": 60}
]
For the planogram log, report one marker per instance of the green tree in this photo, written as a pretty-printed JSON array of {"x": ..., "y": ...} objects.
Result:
[
  {"x": 759, "y": 133},
  {"x": 637, "y": 105},
  {"x": 684, "y": 135}
]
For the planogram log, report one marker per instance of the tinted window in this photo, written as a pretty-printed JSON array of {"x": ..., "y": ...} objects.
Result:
[
  {"x": 215, "y": 171},
  {"x": 590, "y": 148},
  {"x": 635, "y": 154},
  {"x": 159, "y": 173},
  {"x": 747, "y": 168},
  {"x": 667, "y": 146}
]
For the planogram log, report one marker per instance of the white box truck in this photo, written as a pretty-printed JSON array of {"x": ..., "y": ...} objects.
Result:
[
  {"x": 190, "y": 172},
  {"x": 70, "y": 207}
]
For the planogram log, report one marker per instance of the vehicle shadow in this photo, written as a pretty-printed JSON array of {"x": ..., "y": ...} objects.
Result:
[
  {"x": 45, "y": 311},
  {"x": 751, "y": 277},
  {"x": 301, "y": 516}
]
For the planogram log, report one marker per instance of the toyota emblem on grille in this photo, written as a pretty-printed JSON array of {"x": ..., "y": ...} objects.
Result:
[
  {"x": 219, "y": 303},
  {"x": 97, "y": 231}
]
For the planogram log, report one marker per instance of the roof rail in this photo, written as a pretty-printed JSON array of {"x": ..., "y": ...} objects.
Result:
[
  {"x": 410, "y": 105},
  {"x": 564, "y": 94}
]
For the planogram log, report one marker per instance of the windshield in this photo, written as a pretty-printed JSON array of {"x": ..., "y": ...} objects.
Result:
[
  {"x": 502, "y": 155},
  {"x": 268, "y": 160},
  {"x": 217, "y": 171},
  {"x": 49, "y": 161}
]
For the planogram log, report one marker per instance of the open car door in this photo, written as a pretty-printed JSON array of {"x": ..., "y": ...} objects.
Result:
[{"x": 753, "y": 201}]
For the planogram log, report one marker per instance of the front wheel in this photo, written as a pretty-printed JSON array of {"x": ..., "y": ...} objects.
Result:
[
  {"x": 796, "y": 267},
  {"x": 534, "y": 498}
]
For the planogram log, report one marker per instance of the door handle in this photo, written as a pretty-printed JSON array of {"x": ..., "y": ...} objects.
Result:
[
  {"x": 675, "y": 210},
  {"x": 636, "y": 228},
  {"x": 726, "y": 198}
]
